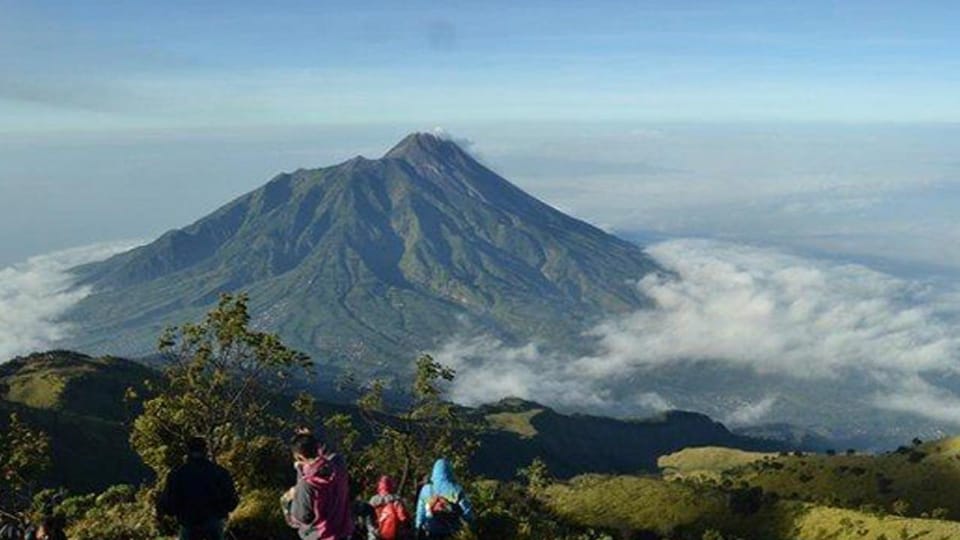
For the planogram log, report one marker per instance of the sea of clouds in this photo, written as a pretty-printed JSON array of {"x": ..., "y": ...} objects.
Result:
[
  {"x": 36, "y": 293},
  {"x": 742, "y": 306}
]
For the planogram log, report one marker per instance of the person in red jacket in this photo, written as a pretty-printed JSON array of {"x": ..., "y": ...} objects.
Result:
[
  {"x": 319, "y": 505},
  {"x": 392, "y": 517}
]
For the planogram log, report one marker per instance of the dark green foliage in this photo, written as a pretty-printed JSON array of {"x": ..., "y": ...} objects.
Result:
[
  {"x": 405, "y": 443},
  {"x": 24, "y": 457},
  {"x": 519, "y": 432},
  {"x": 746, "y": 501},
  {"x": 219, "y": 383}
]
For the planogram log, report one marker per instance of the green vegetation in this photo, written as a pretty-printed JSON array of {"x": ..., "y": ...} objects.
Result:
[
  {"x": 219, "y": 383},
  {"x": 227, "y": 381},
  {"x": 915, "y": 481},
  {"x": 24, "y": 456},
  {"x": 626, "y": 503},
  {"x": 707, "y": 462},
  {"x": 515, "y": 422}
]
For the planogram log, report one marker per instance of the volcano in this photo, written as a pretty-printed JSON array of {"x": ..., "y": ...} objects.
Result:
[{"x": 370, "y": 261}]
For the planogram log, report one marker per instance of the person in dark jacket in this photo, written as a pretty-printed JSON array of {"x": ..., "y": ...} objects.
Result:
[
  {"x": 364, "y": 522},
  {"x": 200, "y": 494},
  {"x": 319, "y": 504}
]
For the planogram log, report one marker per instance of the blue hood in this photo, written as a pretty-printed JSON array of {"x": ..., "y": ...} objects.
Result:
[{"x": 442, "y": 480}]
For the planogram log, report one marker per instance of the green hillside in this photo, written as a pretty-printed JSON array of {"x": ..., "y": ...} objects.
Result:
[
  {"x": 575, "y": 444},
  {"x": 66, "y": 381},
  {"x": 79, "y": 401},
  {"x": 926, "y": 476},
  {"x": 631, "y": 507}
]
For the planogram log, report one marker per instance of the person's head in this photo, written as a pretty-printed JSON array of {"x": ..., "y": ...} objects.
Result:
[
  {"x": 304, "y": 447},
  {"x": 386, "y": 486},
  {"x": 442, "y": 478},
  {"x": 197, "y": 447},
  {"x": 442, "y": 469}
]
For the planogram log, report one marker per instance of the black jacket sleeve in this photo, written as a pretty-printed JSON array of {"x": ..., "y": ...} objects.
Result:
[
  {"x": 167, "y": 501},
  {"x": 228, "y": 493}
]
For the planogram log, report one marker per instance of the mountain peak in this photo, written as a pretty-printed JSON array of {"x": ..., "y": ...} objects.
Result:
[
  {"x": 420, "y": 145},
  {"x": 389, "y": 254}
]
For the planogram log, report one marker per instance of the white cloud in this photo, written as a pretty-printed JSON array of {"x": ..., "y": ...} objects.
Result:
[
  {"x": 468, "y": 145},
  {"x": 743, "y": 307},
  {"x": 776, "y": 313},
  {"x": 35, "y": 293},
  {"x": 751, "y": 413},
  {"x": 916, "y": 396}
]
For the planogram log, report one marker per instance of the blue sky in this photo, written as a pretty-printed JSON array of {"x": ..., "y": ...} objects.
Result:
[
  {"x": 819, "y": 125},
  {"x": 117, "y": 64}
]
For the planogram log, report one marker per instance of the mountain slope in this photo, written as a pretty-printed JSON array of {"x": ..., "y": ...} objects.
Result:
[
  {"x": 79, "y": 402},
  {"x": 371, "y": 260}
]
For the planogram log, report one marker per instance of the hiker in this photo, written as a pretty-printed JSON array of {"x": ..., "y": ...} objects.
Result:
[
  {"x": 319, "y": 505},
  {"x": 392, "y": 517},
  {"x": 200, "y": 494},
  {"x": 442, "y": 507},
  {"x": 364, "y": 522}
]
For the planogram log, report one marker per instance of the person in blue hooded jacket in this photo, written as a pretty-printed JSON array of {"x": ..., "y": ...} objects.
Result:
[{"x": 443, "y": 506}]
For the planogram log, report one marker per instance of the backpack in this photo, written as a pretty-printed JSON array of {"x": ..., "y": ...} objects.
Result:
[
  {"x": 445, "y": 512},
  {"x": 391, "y": 518}
]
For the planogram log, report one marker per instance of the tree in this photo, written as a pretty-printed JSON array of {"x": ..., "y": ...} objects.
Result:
[
  {"x": 406, "y": 442},
  {"x": 536, "y": 476},
  {"x": 220, "y": 382},
  {"x": 24, "y": 457}
]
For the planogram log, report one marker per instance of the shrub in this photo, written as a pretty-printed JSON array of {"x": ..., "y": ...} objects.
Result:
[
  {"x": 259, "y": 517},
  {"x": 120, "y": 513},
  {"x": 900, "y": 507}
]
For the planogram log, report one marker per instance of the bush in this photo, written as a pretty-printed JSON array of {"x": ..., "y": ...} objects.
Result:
[
  {"x": 939, "y": 513},
  {"x": 900, "y": 507},
  {"x": 259, "y": 517},
  {"x": 120, "y": 513}
]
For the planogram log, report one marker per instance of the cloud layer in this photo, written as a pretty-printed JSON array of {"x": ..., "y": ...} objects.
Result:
[
  {"x": 743, "y": 307},
  {"x": 34, "y": 294}
]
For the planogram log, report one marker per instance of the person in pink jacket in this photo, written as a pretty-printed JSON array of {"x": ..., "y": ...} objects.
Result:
[{"x": 319, "y": 505}]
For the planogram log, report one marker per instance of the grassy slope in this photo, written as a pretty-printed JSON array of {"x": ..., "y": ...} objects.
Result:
[
  {"x": 78, "y": 400},
  {"x": 706, "y": 462},
  {"x": 637, "y": 503},
  {"x": 928, "y": 476},
  {"x": 72, "y": 382},
  {"x": 683, "y": 510}
]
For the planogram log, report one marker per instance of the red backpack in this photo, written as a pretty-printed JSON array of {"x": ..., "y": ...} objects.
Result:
[{"x": 392, "y": 517}]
